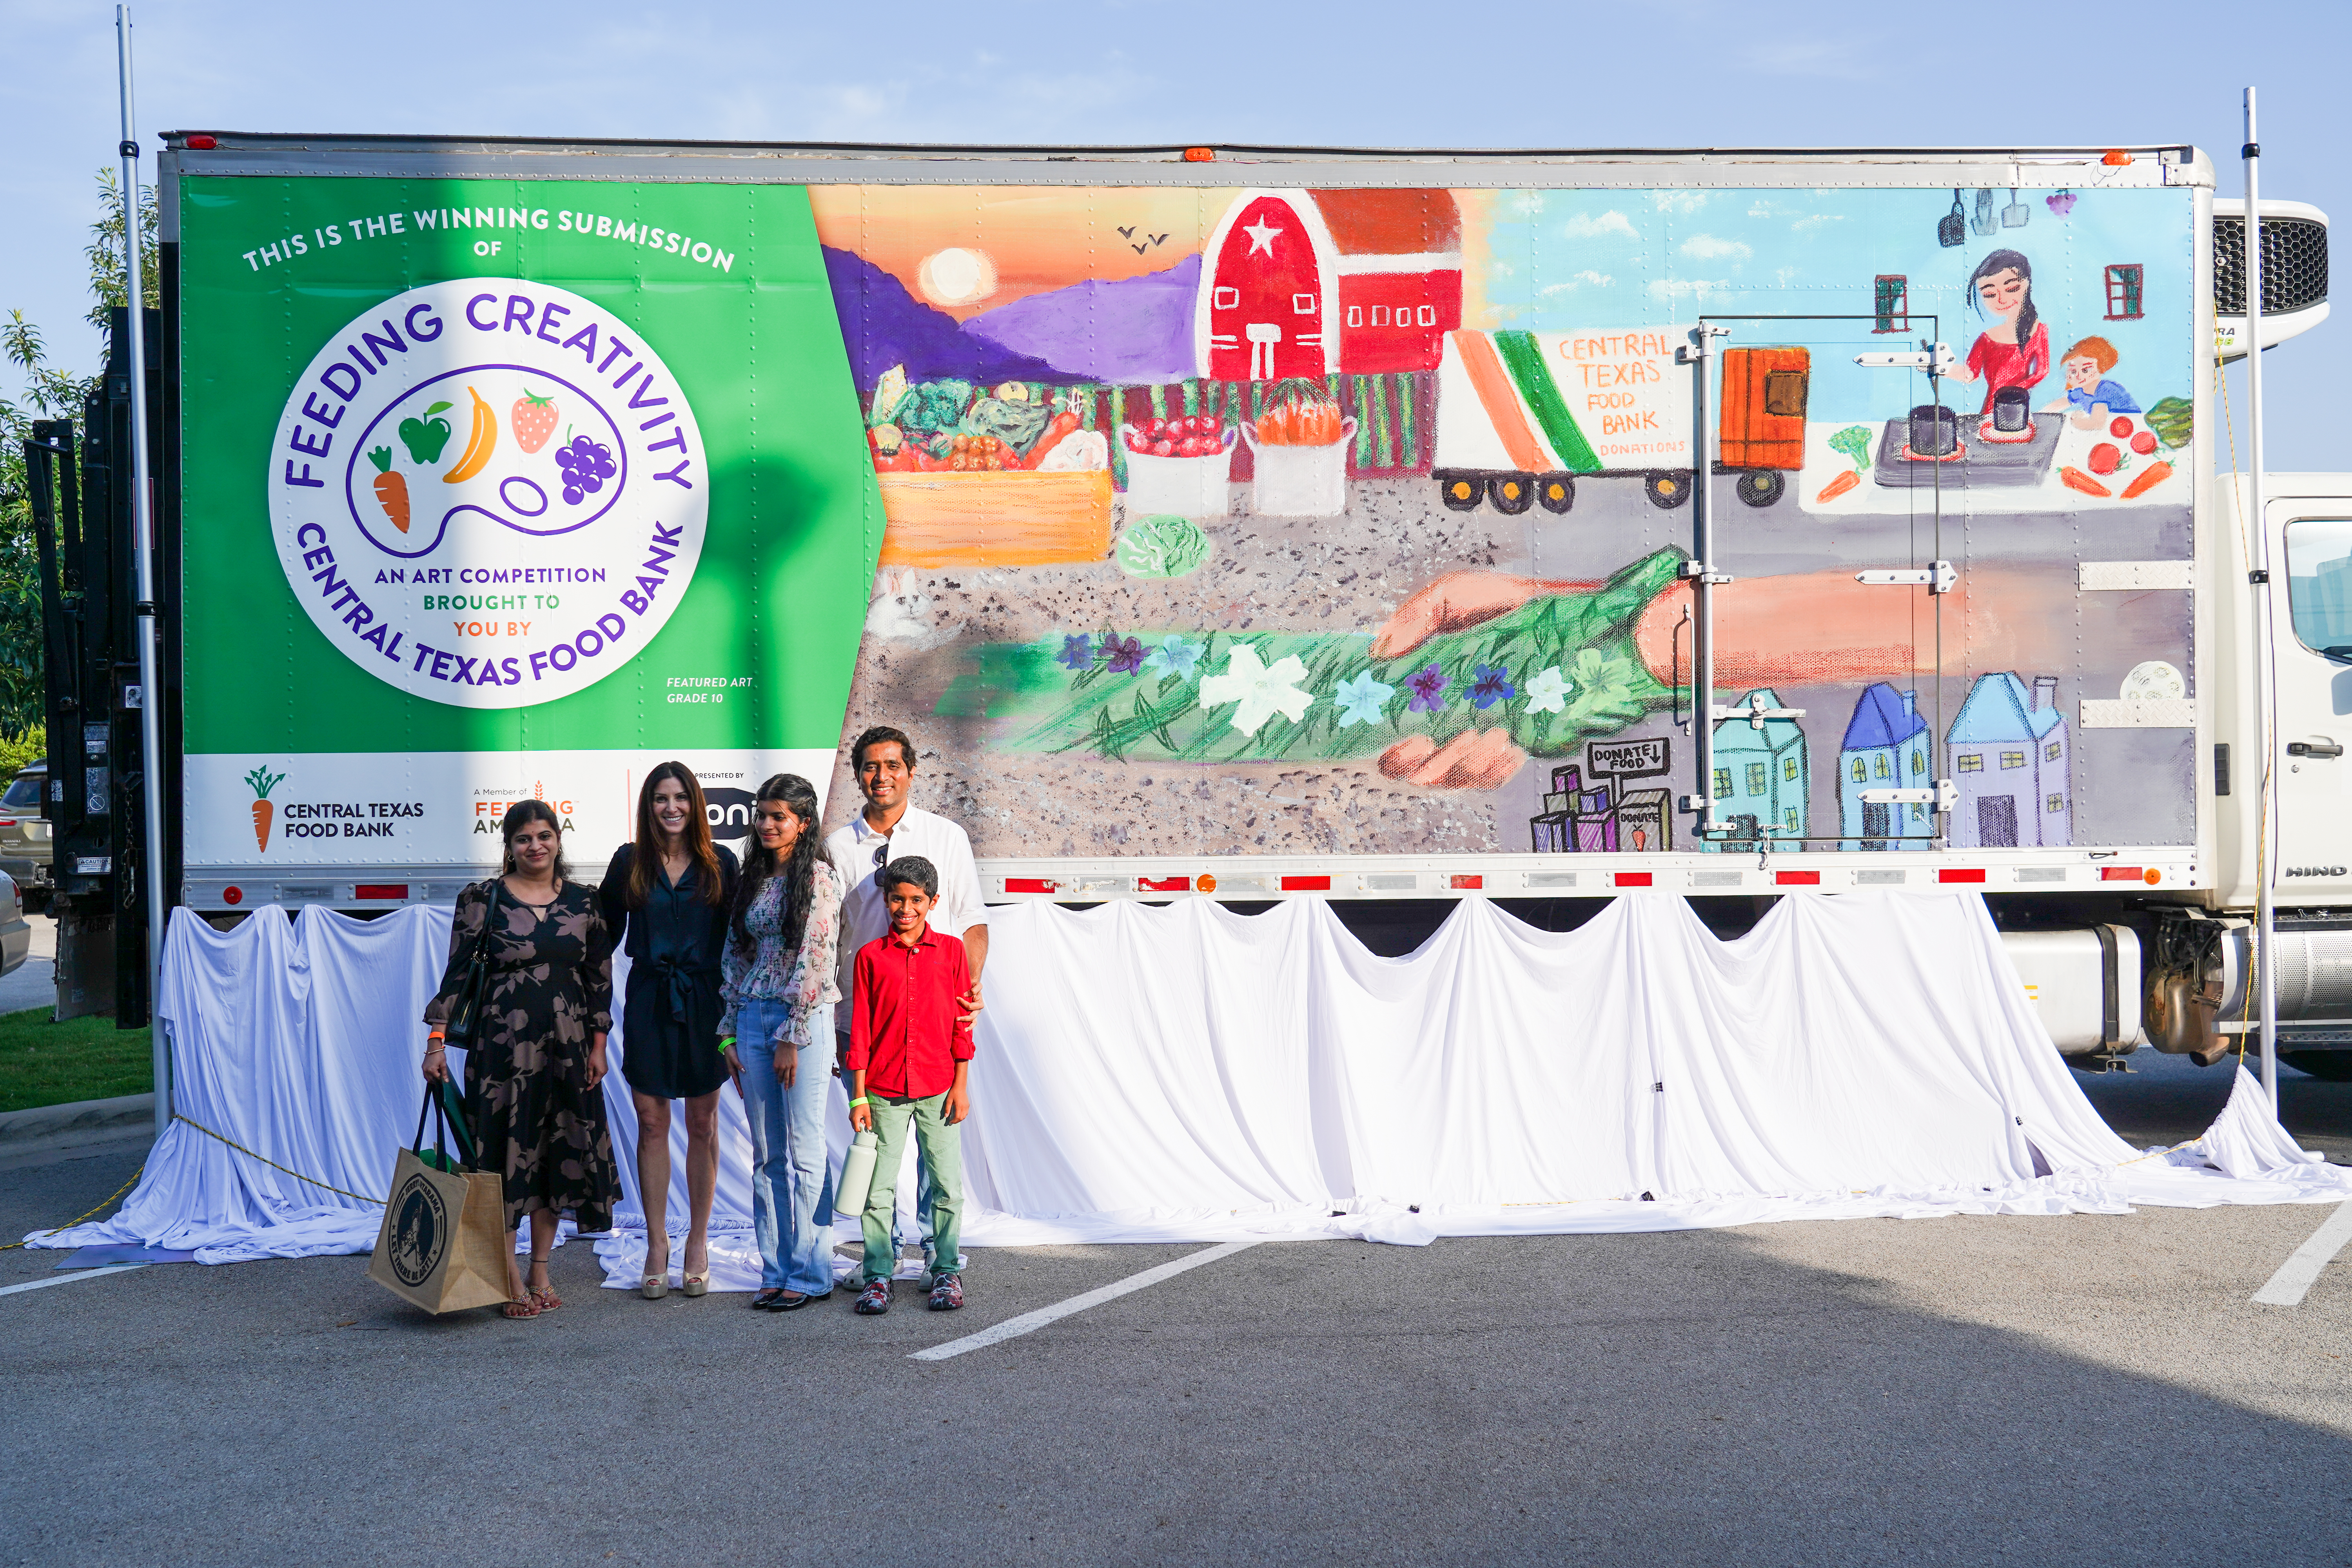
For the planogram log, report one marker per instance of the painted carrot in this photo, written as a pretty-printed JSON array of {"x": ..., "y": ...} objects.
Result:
[
  {"x": 2077, "y": 480},
  {"x": 2152, "y": 476},
  {"x": 390, "y": 487},
  {"x": 262, "y": 781},
  {"x": 1061, "y": 424},
  {"x": 1839, "y": 486}
]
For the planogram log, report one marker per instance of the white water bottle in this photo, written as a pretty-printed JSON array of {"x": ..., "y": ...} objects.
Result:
[{"x": 857, "y": 1177}]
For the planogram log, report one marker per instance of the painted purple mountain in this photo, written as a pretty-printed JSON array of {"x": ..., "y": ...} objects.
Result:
[
  {"x": 883, "y": 325},
  {"x": 1135, "y": 332}
]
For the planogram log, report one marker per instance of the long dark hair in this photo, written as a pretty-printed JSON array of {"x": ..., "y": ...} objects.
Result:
[
  {"x": 699, "y": 847},
  {"x": 522, "y": 815},
  {"x": 798, "y": 869},
  {"x": 2008, "y": 261}
]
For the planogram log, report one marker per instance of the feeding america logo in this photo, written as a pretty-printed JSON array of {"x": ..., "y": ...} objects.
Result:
[{"x": 489, "y": 492}]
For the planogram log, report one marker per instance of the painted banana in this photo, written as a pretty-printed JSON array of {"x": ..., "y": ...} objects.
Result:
[{"x": 479, "y": 443}]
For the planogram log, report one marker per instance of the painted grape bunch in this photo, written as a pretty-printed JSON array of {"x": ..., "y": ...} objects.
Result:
[{"x": 587, "y": 466}]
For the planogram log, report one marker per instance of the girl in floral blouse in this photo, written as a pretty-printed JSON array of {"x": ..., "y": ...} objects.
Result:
[{"x": 777, "y": 989}]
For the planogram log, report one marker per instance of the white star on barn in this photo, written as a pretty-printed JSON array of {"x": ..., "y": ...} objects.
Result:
[{"x": 1261, "y": 234}]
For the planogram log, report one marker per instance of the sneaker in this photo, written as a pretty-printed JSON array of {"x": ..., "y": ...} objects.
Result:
[
  {"x": 875, "y": 1300},
  {"x": 947, "y": 1292}
]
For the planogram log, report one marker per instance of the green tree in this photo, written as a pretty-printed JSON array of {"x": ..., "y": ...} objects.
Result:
[{"x": 49, "y": 392}]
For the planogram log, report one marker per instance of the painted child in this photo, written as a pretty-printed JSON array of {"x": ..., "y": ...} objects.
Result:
[
  {"x": 910, "y": 1051},
  {"x": 2091, "y": 398}
]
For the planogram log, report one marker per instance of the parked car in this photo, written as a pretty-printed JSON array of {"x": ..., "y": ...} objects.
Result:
[
  {"x": 26, "y": 846},
  {"x": 15, "y": 931}
]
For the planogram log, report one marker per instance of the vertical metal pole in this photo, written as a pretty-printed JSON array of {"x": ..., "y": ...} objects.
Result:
[
  {"x": 143, "y": 513},
  {"x": 1702, "y": 338},
  {"x": 2266, "y": 643}
]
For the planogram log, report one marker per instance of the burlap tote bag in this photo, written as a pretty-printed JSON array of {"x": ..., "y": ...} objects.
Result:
[{"x": 444, "y": 1242}]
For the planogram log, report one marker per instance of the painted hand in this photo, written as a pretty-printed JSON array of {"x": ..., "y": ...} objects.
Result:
[
  {"x": 1456, "y": 600},
  {"x": 1475, "y": 759}
]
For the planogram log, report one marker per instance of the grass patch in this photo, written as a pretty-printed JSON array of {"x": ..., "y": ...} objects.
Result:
[{"x": 46, "y": 1063}]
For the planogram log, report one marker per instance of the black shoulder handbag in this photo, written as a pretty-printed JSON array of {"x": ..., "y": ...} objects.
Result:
[{"x": 465, "y": 1013}]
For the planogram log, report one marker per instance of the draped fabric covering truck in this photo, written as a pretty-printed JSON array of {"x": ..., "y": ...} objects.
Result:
[{"x": 1243, "y": 524}]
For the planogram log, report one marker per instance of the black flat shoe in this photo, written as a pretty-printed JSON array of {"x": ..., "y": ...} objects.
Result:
[
  {"x": 792, "y": 1301},
  {"x": 768, "y": 1300}
]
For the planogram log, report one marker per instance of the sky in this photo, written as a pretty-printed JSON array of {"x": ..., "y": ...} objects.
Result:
[{"x": 1685, "y": 73}]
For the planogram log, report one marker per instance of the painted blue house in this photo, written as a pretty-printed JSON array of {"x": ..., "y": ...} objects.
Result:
[
  {"x": 1887, "y": 746},
  {"x": 1763, "y": 783},
  {"x": 2008, "y": 749}
]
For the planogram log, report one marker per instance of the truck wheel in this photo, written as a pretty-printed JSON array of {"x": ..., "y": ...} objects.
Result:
[
  {"x": 1556, "y": 491},
  {"x": 1667, "y": 489},
  {"x": 1761, "y": 487},
  {"x": 1511, "y": 493},
  {"x": 2336, "y": 1067},
  {"x": 1460, "y": 492}
]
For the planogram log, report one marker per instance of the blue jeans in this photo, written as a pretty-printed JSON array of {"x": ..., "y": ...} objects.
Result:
[{"x": 792, "y": 1190}]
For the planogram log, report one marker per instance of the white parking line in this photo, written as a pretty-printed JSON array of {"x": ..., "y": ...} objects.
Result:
[
  {"x": 69, "y": 1279},
  {"x": 2296, "y": 1275},
  {"x": 1012, "y": 1328}
]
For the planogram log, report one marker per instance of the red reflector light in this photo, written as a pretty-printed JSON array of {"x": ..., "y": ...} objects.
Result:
[
  {"x": 1798, "y": 878},
  {"x": 2116, "y": 158},
  {"x": 1028, "y": 885},
  {"x": 7, "y": 822},
  {"x": 232, "y": 895},
  {"x": 1163, "y": 884},
  {"x": 1200, "y": 155},
  {"x": 2118, "y": 873},
  {"x": 381, "y": 890},
  {"x": 1306, "y": 884},
  {"x": 1633, "y": 878},
  {"x": 203, "y": 143},
  {"x": 1469, "y": 879},
  {"x": 1950, "y": 876}
]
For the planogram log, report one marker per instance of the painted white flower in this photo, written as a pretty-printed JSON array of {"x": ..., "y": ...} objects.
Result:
[
  {"x": 1548, "y": 692},
  {"x": 1262, "y": 692}
]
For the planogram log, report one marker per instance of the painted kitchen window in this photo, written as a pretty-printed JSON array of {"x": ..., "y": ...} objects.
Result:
[
  {"x": 1891, "y": 303},
  {"x": 2123, "y": 281}
]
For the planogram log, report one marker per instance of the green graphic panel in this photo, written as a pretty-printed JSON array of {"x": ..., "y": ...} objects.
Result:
[{"x": 725, "y": 282}]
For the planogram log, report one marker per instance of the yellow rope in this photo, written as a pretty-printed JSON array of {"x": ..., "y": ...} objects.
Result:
[
  {"x": 274, "y": 1164},
  {"x": 78, "y": 1218}
]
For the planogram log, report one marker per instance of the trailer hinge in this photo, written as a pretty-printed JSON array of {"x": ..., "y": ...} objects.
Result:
[
  {"x": 1699, "y": 349},
  {"x": 1937, "y": 577},
  {"x": 1933, "y": 358},
  {"x": 1697, "y": 572},
  {"x": 1755, "y": 713},
  {"x": 1943, "y": 797}
]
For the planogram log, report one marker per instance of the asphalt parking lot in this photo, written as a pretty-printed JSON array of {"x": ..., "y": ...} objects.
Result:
[{"x": 2089, "y": 1389}]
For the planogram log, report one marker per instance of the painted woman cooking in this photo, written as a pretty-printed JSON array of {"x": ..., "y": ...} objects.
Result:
[{"x": 2014, "y": 349}]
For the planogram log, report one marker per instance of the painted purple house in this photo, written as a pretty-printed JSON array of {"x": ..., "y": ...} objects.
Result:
[{"x": 2008, "y": 753}]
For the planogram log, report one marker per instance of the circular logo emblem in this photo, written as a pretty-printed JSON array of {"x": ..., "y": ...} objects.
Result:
[
  {"x": 489, "y": 492},
  {"x": 419, "y": 1231}
]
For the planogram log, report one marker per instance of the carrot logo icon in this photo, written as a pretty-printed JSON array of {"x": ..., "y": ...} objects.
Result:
[{"x": 263, "y": 781}]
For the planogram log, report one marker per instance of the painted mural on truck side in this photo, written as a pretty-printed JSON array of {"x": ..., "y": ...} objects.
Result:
[{"x": 1289, "y": 521}]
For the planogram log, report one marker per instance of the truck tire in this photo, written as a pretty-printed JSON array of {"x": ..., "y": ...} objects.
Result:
[
  {"x": 1762, "y": 486},
  {"x": 1460, "y": 492},
  {"x": 1557, "y": 492},
  {"x": 1668, "y": 488},
  {"x": 2334, "y": 1067},
  {"x": 1511, "y": 493}
]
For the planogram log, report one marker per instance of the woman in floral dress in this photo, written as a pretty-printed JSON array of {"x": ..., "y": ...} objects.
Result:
[{"x": 532, "y": 1076}]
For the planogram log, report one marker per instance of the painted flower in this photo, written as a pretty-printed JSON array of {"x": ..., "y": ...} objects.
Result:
[
  {"x": 1492, "y": 686},
  {"x": 1078, "y": 653},
  {"x": 1177, "y": 655},
  {"x": 1261, "y": 690},
  {"x": 1604, "y": 678},
  {"x": 1548, "y": 692},
  {"x": 1428, "y": 685},
  {"x": 1121, "y": 657},
  {"x": 1362, "y": 700}
]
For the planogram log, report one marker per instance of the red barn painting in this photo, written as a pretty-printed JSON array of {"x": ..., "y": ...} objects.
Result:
[{"x": 1314, "y": 283}]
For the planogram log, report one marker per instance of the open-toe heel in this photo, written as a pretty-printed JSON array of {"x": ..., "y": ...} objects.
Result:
[{"x": 697, "y": 1284}]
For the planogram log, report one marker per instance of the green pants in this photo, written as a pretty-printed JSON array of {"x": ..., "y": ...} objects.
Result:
[{"x": 941, "y": 1147}]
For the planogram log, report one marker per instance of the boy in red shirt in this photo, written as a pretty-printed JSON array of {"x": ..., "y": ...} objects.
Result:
[{"x": 909, "y": 1051}]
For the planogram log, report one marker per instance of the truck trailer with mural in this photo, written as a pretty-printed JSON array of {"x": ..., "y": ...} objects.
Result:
[{"x": 1248, "y": 524}]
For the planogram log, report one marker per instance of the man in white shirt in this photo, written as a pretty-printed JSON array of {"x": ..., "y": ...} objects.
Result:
[{"x": 883, "y": 760}]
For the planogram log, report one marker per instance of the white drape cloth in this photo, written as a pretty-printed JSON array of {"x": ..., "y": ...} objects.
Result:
[{"x": 1186, "y": 1073}]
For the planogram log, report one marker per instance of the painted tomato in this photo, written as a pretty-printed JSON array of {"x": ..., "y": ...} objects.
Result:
[
  {"x": 2106, "y": 457},
  {"x": 2144, "y": 443},
  {"x": 1163, "y": 449},
  {"x": 2120, "y": 426}
]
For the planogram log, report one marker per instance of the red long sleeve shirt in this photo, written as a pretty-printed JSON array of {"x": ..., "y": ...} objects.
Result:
[{"x": 905, "y": 1025}]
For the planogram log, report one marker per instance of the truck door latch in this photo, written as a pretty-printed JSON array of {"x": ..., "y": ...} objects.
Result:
[
  {"x": 1937, "y": 577},
  {"x": 2313, "y": 749}
]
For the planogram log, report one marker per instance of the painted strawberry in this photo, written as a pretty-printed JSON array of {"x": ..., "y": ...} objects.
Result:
[{"x": 532, "y": 420}]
